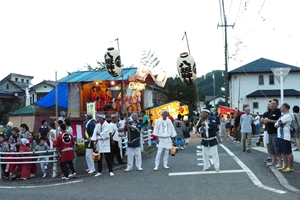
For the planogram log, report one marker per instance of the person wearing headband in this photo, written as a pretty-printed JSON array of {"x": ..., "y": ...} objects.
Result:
[
  {"x": 165, "y": 133},
  {"x": 207, "y": 127}
]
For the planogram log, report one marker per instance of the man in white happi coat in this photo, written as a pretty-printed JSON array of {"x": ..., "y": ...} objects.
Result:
[
  {"x": 165, "y": 133},
  {"x": 117, "y": 147},
  {"x": 101, "y": 139}
]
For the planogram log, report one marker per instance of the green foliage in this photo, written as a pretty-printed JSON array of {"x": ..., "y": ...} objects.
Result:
[
  {"x": 80, "y": 150},
  {"x": 206, "y": 84},
  {"x": 36, "y": 136},
  {"x": 3, "y": 130},
  {"x": 176, "y": 90}
]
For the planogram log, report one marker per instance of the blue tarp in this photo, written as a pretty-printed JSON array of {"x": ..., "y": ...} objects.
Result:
[{"x": 49, "y": 99}]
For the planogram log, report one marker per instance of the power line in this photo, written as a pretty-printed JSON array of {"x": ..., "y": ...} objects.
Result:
[
  {"x": 238, "y": 11},
  {"x": 229, "y": 9},
  {"x": 261, "y": 6}
]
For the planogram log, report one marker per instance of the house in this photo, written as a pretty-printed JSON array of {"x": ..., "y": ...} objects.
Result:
[
  {"x": 214, "y": 100},
  {"x": 17, "y": 84},
  {"x": 254, "y": 85},
  {"x": 39, "y": 90}
]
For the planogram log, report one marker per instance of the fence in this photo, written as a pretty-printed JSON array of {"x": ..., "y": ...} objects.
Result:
[
  {"x": 146, "y": 137},
  {"x": 4, "y": 160}
]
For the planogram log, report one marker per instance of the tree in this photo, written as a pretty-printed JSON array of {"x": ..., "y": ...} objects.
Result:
[
  {"x": 176, "y": 90},
  {"x": 150, "y": 59}
]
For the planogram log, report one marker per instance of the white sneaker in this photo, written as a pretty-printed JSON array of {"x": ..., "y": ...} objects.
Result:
[
  {"x": 98, "y": 174},
  {"x": 44, "y": 175},
  {"x": 87, "y": 170},
  {"x": 166, "y": 167},
  {"x": 111, "y": 174},
  {"x": 127, "y": 170},
  {"x": 140, "y": 169},
  {"x": 32, "y": 175},
  {"x": 91, "y": 172},
  {"x": 155, "y": 168},
  {"x": 182, "y": 148},
  {"x": 64, "y": 178}
]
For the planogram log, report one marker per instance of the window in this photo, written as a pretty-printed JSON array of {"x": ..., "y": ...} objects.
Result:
[
  {"x": 22, "y": 80},
  {"x": 255, "y": 105},
  {"x": 16, "y": 79},
  {"x": 7, "y": 86},
  {"x": 45, "y": 86},
  {"x": 27, "y": 81},
  {"x": 271, "y": 79},
  {"x": 260, "y": 80},
  {"x": 154, "y": 98}
]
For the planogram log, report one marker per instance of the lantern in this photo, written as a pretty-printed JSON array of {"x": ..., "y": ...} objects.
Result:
[
  {"x": 186, "y": 67},
  {"x": 96, "y": 156},
  {"x": 113, "y": 62},
  {"x": 173, "y": 150}
]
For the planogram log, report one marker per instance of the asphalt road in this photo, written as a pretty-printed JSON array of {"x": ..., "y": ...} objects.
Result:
[{"x": 242, "y": 176}]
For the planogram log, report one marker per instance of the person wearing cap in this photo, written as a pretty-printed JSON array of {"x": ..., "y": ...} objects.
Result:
[
  {"x": 134, "y": 142},
  {"x": 115, "y": 149},
  {"x": 9, "y": 127},
  {"x": 207, "y": 127},
  {"x": 89, "y": 126},
  {"x": 62, "y": 116},
  {"x": 165, "y": 133},
  {"x": 3, "y": 148},
  {"x": 101, "y": 140}
]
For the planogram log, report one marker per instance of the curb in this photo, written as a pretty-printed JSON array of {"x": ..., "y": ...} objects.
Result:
[{"x": 282, "y": 180}]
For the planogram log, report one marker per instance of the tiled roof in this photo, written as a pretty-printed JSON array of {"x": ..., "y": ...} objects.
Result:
[
  {"x": 262, "y": 65},
  {"x": 274, "y": 93},
  {"x": 6, "y": 92}
]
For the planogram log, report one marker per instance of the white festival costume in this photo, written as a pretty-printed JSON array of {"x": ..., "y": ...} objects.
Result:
[
  {"x": 103, "y": 139},
  {"x": 164, "y": 130}
]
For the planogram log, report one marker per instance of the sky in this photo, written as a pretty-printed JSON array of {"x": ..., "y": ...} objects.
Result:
[{"x": 39, "y": 37}]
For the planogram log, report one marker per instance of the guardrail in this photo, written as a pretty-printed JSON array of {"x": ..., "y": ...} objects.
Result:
[{"x": 19, "y": 157}]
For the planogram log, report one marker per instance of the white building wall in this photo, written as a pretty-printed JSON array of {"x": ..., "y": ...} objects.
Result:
[{"x": 241, "y": 85}]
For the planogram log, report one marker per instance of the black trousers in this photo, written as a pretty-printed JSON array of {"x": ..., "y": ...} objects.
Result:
[
  {"x": 115, "y": 150},
  {"x": 108, "y": 161},
  {"x": 64, "y": 167},
  {"x": 6, "y": 174}
]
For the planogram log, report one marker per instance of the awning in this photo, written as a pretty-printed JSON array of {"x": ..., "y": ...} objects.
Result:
[
  {"x": 90, "y": 76},
  {"x": 50, "y": 99}
]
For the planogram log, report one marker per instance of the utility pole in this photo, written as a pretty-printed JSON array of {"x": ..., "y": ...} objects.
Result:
[{"x": 226, "y": 54}]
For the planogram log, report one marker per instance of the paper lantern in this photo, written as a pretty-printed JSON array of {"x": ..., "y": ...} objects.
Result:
[
  {"x": 173, "y": 151},
  {"x": 113, "y": 62},
  {"x": 161, "y": 77},
  {"x": 186, "y": 67},
  {"x": 96, "y": 156}
]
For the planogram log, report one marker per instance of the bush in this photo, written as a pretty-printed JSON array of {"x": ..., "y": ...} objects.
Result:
[
  {"x": 3, "y": 130},
  {"x": 36, "y": 137},
  {"x": 80, "y": 149}
]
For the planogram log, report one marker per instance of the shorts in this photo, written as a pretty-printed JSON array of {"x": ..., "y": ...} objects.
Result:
[
  {"x": 285, "y": 146},
  {"x": 297, "y": 135},
  {"x": 266, "y": 138},
  {"x": 274, "y": 145}
]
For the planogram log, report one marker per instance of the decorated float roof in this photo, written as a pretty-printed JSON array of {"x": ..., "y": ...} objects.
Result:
[{"x": 89, "y": 76}]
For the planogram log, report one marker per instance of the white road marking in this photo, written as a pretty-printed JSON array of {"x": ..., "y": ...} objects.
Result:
[
  {"x": 250, "y": 174},
  {"x": 40, "y": 186},
  {"x": 199, "y": 147},
  {"x": 199, "y": 154},
  {"x": 198, "y": 151},
  {"x": 200, "y": 164},
  {"x": 206, "y": 172},
  {"x": 199, "y": 158}
]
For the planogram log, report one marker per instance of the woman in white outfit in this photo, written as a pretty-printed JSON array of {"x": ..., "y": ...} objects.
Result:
[{"x": 165, "y": 133}]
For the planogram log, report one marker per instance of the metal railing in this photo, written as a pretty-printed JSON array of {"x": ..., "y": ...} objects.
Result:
[{"x": 4, "y": 157}]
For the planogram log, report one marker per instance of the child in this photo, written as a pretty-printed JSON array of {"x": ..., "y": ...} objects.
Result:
[
  {"x": 32, "y": 144},
  {"x": 12, "y": 169},
  {"x": 186, "y": 133},
  {"x": 42, "y": 146},
  {"x": 3, "y": 148},
  {"x": 25, "y": 168}
]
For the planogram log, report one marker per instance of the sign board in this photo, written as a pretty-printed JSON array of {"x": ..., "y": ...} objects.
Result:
[{"x": 280, "y": 72}]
